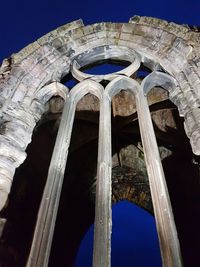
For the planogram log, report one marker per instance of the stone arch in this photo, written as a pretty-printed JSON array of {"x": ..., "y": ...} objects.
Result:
[
  {"x": 32, "y": 76},
  {"x": 28, "y": 73}
]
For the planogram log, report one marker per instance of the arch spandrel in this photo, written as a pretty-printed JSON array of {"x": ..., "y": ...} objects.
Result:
[{"x": 172, "y": 47}]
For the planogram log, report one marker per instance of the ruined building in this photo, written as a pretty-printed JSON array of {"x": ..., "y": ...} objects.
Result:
[{"x": 107, "y": 135}]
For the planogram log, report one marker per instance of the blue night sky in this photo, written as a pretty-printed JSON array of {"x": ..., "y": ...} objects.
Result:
[
  {"x": 22, "y": 21},
  {"x": 134, "y": 240}
]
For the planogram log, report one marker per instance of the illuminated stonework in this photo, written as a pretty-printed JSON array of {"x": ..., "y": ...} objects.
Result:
[{"x": 31, "y": 77}]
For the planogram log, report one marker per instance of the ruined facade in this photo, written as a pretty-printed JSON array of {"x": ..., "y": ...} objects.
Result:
[{"x": 158, "y": 55}]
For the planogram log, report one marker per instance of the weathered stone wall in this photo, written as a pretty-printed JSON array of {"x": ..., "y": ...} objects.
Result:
[{"x": 26, "y": 76}]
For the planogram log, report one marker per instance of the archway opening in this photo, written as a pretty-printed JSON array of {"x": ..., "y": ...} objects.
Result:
[{"x": 134, "y": 239}]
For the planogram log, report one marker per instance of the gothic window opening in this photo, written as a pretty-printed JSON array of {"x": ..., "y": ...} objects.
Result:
[
  {"x": 117, "y": 119},
  {"x": 103, "y": 222},
  {"x": 126, "y": 228}
]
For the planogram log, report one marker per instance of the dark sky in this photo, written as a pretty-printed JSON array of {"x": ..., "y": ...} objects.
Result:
[
  {"x": 22, "y": 22},
  {"x": 134, "y": 239}
]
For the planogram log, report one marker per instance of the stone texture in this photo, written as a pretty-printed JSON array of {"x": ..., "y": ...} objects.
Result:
[{"x": 174, "y": 48}]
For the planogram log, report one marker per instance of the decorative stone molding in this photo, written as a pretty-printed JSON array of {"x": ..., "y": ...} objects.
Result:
[{"x": 26, "y": 76}]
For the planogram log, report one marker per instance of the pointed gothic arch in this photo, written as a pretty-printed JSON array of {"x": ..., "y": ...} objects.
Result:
[{"x": 33, "y": 75}]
